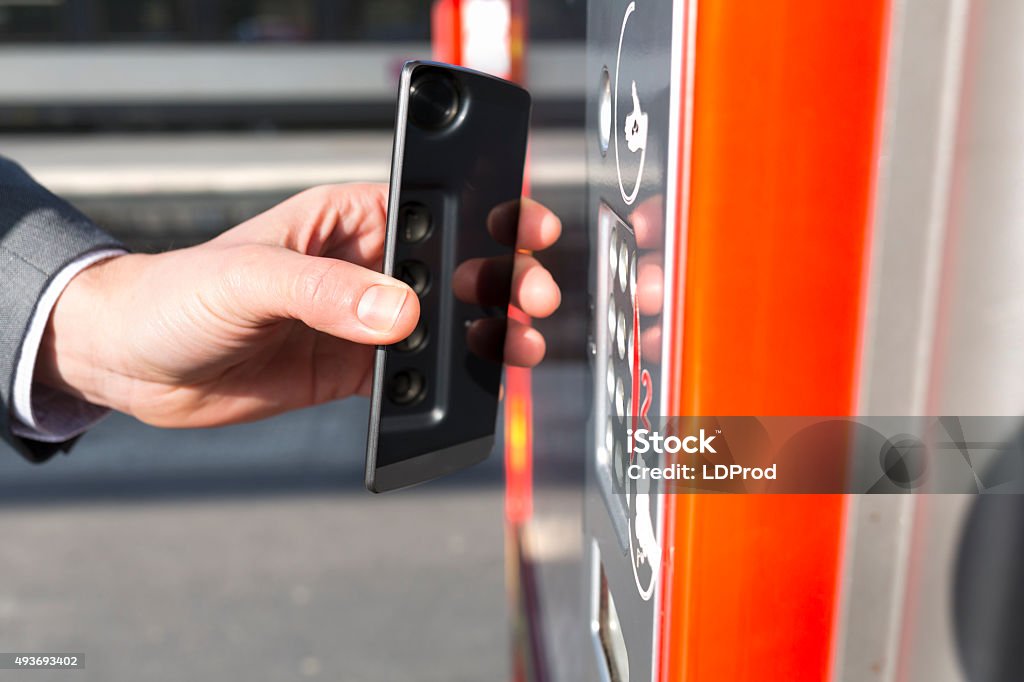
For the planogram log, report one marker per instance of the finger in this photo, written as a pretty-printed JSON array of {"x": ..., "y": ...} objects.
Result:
[
  {"x": 650, "y": 346},
  {"x": 524, "y": 345},
  {"x": 333, "y": 296},
  {"x": 485, "y": 282},
  {"x": 524, "y": 223},
  {"x": 343, "y": 221},
  {"x": 534, "y": 290},
  {"x": 650, "y": 286},
  {"x": 539, "y": 227},
  {"x": 500, "y": 340},
  {"x": 647, "y": 222}
]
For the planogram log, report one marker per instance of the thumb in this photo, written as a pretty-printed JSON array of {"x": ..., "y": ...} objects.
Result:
[{"x": 333, "y": 296}]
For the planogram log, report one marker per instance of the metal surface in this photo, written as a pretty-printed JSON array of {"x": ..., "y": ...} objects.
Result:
[
  {"x": 978, "y": 357},
  {"x": 919, "y": 114},
  {"x": 851, "y": 244},
  {"x": 943, "y": 329}
]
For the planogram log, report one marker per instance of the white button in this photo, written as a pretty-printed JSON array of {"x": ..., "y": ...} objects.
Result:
[
  {"x": 631, "y": 349},
  {"x": 617, "y": 463},
  {"x": 620, "y": 397},
  {"x": 623, "y": 266},
  {"x": 632, "y": 278},
  {"x": 613, "y": 254},
  {"x": 612, "y": 309},
  {"x": 611, "y": 381},
  {"x": 620, "y": 336}
]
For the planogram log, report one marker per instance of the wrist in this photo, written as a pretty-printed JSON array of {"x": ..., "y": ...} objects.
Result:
[{"x": 74, "y": 353}]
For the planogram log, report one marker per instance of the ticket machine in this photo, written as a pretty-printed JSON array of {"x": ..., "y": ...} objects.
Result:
[
  {"x": 794, "y": 208},
  {"x": 735, "y": 191}
]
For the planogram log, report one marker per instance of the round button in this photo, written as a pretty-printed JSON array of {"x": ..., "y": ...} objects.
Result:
[
  {"x": 620, "y": 400},
  {"x": 433, "y": 100},
  {"x": 414, "y": 223},
  {"x": 612, "y": 310},
  {"x": 629, "y": 349},
  {"x": 618, "y": 463},
  {"x": 632, "y": 277},
  {"x": 623, "y": 266},
  {"x": 613, "y": 255},
  {"x": 620, "y": 336},
  {"x": 611, "y": 381},
  {"x": 416, "y": 340},
  {"x": 406, "y": 387},
  {"x": 415, "y": 274},
  {"x": 604, "y": 112}
]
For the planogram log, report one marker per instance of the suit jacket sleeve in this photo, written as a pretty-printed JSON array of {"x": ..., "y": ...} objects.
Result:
[{"x": 40, "y": 234}]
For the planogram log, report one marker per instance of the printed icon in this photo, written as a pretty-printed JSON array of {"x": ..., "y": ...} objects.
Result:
[
  {"x": 636, "y": 126},
  {"x": 649, "y": 551}
]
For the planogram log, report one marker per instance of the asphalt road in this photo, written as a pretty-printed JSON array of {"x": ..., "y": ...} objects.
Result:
[
  {"x": 250, "y": 553},
  {"x": 253, "y": 553}
]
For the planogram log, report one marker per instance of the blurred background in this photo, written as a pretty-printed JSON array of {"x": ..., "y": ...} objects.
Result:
[{"x": 253, "y": 552}]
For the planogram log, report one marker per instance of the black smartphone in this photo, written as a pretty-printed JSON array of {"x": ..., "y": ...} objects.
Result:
[{"x": 453, "y": 216}]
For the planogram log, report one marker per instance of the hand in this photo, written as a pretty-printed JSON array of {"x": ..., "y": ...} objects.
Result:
[
  {"x": 278, "y": 313},
  {"x": 647, "y": 224}
]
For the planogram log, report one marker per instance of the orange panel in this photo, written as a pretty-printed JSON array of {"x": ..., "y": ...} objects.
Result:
[{"x": 784, "y": 127}]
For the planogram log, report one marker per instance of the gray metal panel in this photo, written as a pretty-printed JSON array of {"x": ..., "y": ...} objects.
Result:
[
  {"x": 921, "y": 105},
  {"x": 929, "y": 649},
  {"x": 945, "y": 319},
  {"x": 981, "y": 361},
  {"x": 979, "y": 357},
  {"x": 920, "y": 109}
]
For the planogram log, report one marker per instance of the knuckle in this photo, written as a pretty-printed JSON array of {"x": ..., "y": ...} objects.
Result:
[
  {"x": 320, "y": 286},
  {"x": 323, "y": 194},
  {"x": 312, "y": 281},
  {"x": 318, "y": 191}
]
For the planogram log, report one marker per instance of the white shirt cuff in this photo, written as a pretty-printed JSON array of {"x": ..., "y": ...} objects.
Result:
[{"x": 45, "y": 414}]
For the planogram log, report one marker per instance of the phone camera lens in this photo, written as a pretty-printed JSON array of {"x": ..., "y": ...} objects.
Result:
[
  {"x": 415, "y": 274},
  {"x": 433, "y": 100},
  {"x": 414, "y": 223},
  {"x": 414, "y": 341},
  {"x": 406, "y": 387}
]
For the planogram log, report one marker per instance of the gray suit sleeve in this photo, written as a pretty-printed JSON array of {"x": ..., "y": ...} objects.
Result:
[{"x": 40, "y": 234}]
